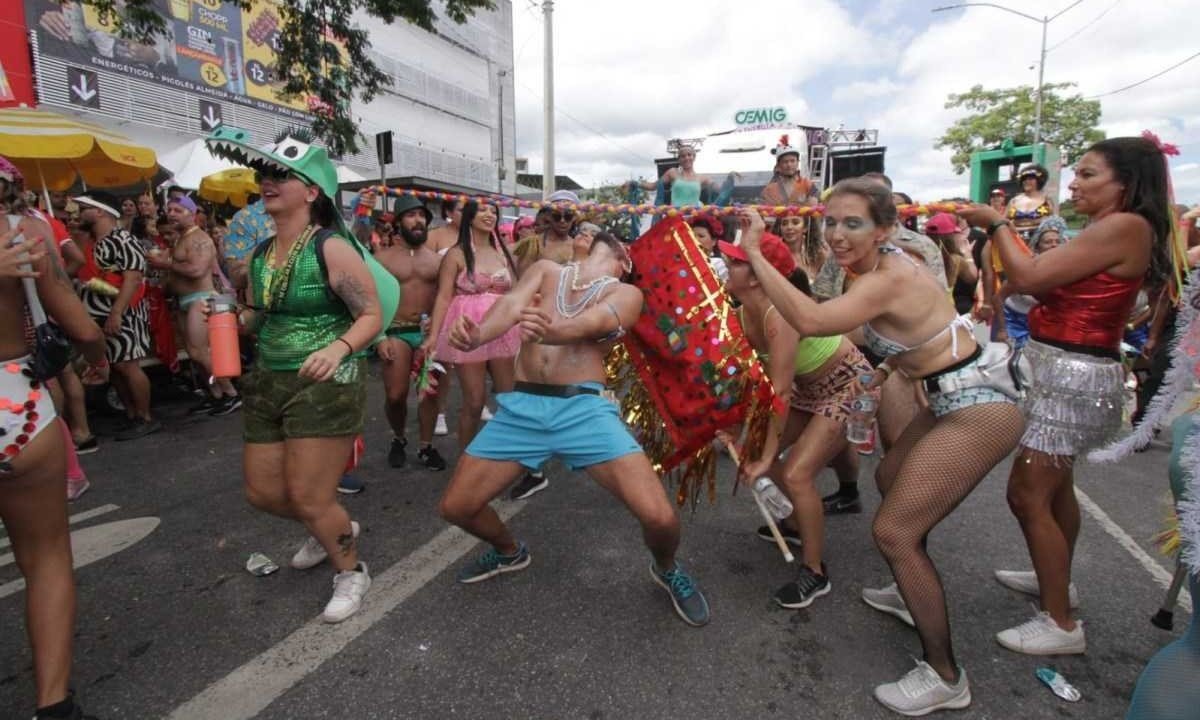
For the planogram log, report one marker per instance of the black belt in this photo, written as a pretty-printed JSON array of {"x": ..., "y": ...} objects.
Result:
[
  {"x": 1092, "y": 350},
  {"x": 931, "y": 381},
  {"x": 559, "y": 391}
]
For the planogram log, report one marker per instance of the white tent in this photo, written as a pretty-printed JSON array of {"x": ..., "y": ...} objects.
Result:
[
  {"x": 346, "y": 175},
  {"x": 191, "y": 163}
]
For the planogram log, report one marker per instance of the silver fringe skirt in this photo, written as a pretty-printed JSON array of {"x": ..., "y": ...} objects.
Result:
[{"x": 1074, "y": 402}]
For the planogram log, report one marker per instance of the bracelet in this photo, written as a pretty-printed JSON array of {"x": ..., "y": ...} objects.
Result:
[
  {"x": 346, "y": 343},
  {"x": 996, "y": 226}
]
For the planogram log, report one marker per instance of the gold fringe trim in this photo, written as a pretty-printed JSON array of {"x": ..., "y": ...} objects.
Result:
[
  {"x": 1168, "y": 541},
  {"x": 696, "y": 474}
]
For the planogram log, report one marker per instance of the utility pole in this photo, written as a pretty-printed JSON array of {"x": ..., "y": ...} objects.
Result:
[
  {"x": 1045, "y": 21},
  {"x": 548, "y": 109},
  {"x": 500, "y": 76},
  {"x": 1037, "y": 114}
]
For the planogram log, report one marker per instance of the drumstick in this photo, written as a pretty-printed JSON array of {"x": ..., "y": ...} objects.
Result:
[{"x": 762, "y": 509}]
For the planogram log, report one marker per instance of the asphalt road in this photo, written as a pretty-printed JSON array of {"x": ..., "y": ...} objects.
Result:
[{"x": 173, "y": 626}]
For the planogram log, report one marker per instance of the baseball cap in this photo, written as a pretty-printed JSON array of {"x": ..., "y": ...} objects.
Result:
[
  {"x": 941, "y": 224},
  {"x": 774, "y": 249}
]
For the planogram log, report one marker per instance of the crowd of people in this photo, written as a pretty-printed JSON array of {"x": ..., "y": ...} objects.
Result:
[{"x": 853, "y": 301}]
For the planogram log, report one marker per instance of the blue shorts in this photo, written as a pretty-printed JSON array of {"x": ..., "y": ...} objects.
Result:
[{"x": 584, "y": 430}]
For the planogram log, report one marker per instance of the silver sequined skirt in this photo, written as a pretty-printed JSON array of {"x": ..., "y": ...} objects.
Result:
[{"x": 1075, "y": 401}]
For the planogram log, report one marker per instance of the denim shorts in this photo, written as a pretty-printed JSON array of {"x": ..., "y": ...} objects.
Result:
[{"x": 583, "y": 430}]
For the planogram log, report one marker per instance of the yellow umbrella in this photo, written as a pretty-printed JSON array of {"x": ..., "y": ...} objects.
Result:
[
  {"x": 229, "y": 186},
  {"x": 56, "y": 151}
]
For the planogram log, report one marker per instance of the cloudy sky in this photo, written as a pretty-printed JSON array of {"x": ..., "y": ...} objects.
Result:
[{"x": 630, "y": 75}]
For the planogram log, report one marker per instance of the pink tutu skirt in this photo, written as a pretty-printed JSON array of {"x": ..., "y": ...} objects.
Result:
[{"x": 475, "y": 306}]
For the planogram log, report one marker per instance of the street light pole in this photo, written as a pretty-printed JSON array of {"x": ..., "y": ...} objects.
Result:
[
  {"x": 1037, "y": 113},
  {"x": 548, "y": 109},
  {"x": 1044, "y": 21}
]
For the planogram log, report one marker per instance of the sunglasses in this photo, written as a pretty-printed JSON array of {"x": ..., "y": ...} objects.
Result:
[
  {"x": 276, "y": 175},
  {"x": 557, "y": 216}
]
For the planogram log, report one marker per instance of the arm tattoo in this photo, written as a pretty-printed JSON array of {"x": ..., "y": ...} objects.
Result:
[
  {"x": 60, "y": 273},
  {"x": 351, "y": 291},
  {"x": 346, "y": 543}
]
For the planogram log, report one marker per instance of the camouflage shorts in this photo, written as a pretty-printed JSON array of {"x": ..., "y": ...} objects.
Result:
[{"x": 281, "y": 405}]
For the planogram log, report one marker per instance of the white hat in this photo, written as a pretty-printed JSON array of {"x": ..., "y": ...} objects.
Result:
[
  {"x": 89, "y": 202},
  {"x": 784, "y": 148},
  {"x": 563, "y": 196}
]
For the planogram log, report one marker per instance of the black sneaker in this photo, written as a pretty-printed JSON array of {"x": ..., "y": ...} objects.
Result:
[
  {"x": 790, "y": 536},
  {"x": 529, "y": 486},
  {"x": 87, "y": 447},
  {"x": 431, "y": 457},
  {"x": 397, "y": 457},
  {"x": 139, "y": 429},
  {"x": 205, "y": 406},
  {"x": 228, "y": 404},
  {"x": 800, "y": 593},
  {"x": 839, "y": 504}
]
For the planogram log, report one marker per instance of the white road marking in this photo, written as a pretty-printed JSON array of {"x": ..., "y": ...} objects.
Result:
[
  {"x": 76, "y": 518},
  {"x": 96, "y": 543},
  {"x": 1160, "y": 574},
  {"x": 249, "y": 689}
]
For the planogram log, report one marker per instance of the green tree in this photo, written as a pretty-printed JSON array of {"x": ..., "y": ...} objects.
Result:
[
  {"x": 310, "y": 63},
  {"x": 1067, "y": 121}
]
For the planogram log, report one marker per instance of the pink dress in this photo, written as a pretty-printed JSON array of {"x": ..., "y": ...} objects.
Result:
[{"x": 473, "y": 297}]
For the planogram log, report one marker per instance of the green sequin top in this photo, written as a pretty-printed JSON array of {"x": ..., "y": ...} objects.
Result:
[{"x": 309, "y": 318}]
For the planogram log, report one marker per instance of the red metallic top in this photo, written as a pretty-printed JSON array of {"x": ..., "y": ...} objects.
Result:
[{"x": 1090, "y": 312}]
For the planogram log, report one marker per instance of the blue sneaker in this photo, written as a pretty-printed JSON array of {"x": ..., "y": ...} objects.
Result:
[
  {"x": 689, "y": 602},
  {"x": 350, "y": 485},
  {"x": 492, "y": 563}
]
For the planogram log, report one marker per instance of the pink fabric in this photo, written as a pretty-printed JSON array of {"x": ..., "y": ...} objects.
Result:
[
  {"x": 475, "y": 307},
  {"x": 74, "y": 470}
]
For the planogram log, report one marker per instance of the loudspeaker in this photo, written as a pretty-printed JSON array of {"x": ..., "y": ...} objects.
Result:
[{"x": 852, "y": 163}]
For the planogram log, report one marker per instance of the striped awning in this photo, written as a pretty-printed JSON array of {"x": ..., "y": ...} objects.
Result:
[{"x": 58, "y": 152}]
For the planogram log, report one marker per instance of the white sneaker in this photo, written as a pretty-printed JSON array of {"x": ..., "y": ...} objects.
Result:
[
  {"x": 440, "y": 428},
  {"x": 349, "y": 587},
  {"x": 312, "y": 553},
  {"x": 486, "y": 414},
  {"x": 1025, "y": 581},
  {"x": 888, "y": 600},
  {"x": 922, "y": 691},
  {"x": 1042, "y": 636}
]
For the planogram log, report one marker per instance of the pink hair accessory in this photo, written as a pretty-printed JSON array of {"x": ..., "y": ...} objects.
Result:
[{"x": 1164, "y": 148}]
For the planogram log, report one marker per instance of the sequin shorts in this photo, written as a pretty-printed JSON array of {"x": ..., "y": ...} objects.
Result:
[
  {"x": 279, "y": 404},
  {"x": 25, "y": 408},
  {"x": 830, "y": 394},
  {"x": 1075, "y": 401}
]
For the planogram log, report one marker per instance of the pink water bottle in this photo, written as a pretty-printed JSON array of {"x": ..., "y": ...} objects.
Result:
[{"x": 223, "y": 337}]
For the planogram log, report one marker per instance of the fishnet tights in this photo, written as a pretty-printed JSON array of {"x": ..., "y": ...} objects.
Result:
[{"x": 932, "y": 468}]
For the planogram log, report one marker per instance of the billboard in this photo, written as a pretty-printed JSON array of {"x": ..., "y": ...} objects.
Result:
[{"x": 211, "y": 48}]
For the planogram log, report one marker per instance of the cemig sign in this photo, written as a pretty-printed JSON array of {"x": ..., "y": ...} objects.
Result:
[{"x": 760, "y": 116}]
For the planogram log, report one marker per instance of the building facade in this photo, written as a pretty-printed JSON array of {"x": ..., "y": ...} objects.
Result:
[{"x": 450, "y": 107}]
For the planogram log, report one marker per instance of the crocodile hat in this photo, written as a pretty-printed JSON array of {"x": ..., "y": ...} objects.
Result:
[{"x": 289, "y": 155}]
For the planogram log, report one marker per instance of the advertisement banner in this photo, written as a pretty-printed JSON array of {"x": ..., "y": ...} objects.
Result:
[{"x": 211, "y": 48}]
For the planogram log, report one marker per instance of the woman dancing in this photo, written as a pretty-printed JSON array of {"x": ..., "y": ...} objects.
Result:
[
  {"x": 816, "y": 377},
  {"x": 1030, "y": 206},
  {"x": 1086, "y": 290},
  {"x": 945, "y": 450},
  {"x": 315, "y": 310},
  {"x": 474, "y": 274}
]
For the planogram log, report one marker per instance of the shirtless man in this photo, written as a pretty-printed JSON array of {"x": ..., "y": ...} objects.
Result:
[
  {"x": 559, "y": 407},
  {"x": 416, "y": 267},
  {"x": 192, "y": 262},
  {"x": 555, "y": 243}
]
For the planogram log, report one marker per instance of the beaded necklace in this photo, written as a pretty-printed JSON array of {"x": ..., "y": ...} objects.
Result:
[
  {"x": 275, "y": 280},
  {"x": 568, "y": 277}
]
